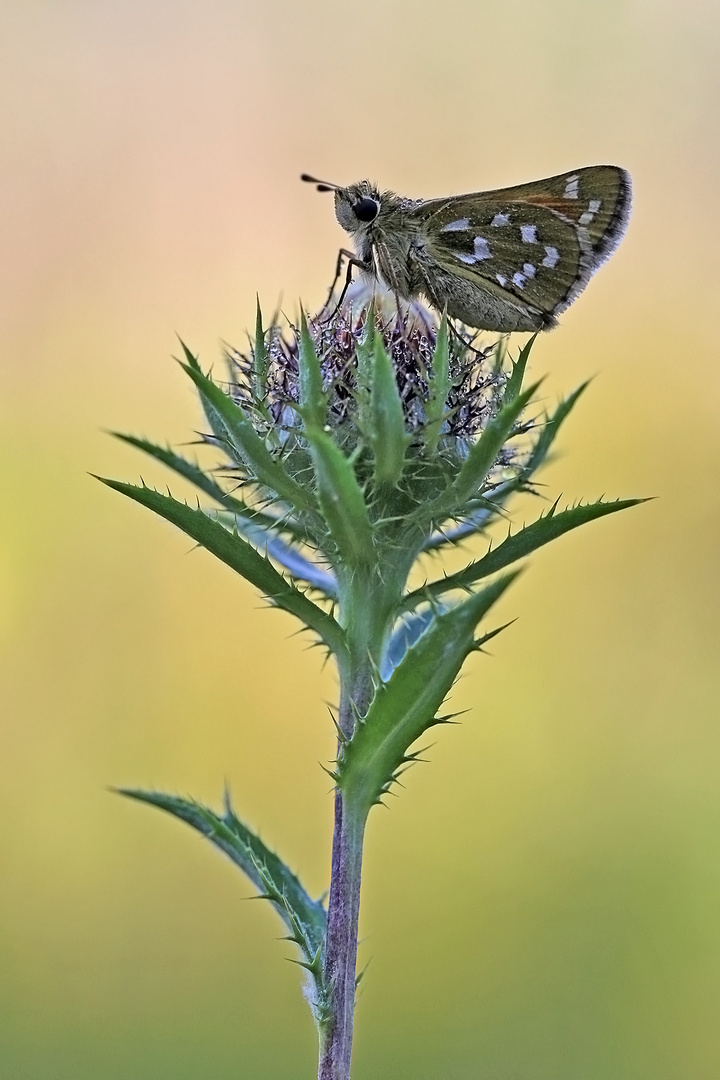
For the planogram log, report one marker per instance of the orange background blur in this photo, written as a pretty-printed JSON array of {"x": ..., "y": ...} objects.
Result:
[{"x": 543, "y": 901}]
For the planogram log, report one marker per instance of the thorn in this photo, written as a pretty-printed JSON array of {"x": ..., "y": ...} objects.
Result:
[
  {"x": 333, "y": 775},
  {"x": 478, "y": 645},
  {"x": 342, "y": 737},
  {"x": 227, "y": 803}
]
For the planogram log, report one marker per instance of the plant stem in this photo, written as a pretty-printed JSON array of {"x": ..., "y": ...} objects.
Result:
[
  {"x": 344, "y": 898},
  {"x": 341, "y": 940},
  {"x": 366, "y": 603}
]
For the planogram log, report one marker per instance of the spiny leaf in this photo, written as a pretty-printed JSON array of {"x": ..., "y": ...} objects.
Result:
[
  {"x": 313, "y": 403},
  {"x": 439, "y": 388},
  {"x": 483, "y": 454},
  {"x": 241, "y": 557},
  {"x": 203, "y": 482},
  {"x": 365, "y": 352},
  {"x": 190, "y": 358},
  {"x": 212, "y": 416},
  {"x": 514, "y": 384},
  {"x": 297, "y": 565},
  {"x": 479, "y": 520},
  {"x": 259, "y": 375},
  {"x": 518, "y": 546},
  {"x": 305, "y": 918},
  {"x": 550, "y": 429},
  {"x": 407, "y": 704},
  {"x": 341, "y": 499},
  {"x": 260, "y": 357},
  {"x": 255, "y": 859},
  {"x": 241, "y": 435},
  {"x": 386, "y": 430}
]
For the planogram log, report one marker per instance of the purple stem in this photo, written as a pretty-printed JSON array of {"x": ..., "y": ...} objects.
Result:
[{"x": 341, "y": 941}]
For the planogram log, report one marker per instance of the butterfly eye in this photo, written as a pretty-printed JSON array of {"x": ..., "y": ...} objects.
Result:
[{"x": 365, "y": 209}]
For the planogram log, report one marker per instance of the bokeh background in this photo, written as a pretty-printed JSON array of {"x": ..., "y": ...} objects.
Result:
[{"x": 543, "y": 901}]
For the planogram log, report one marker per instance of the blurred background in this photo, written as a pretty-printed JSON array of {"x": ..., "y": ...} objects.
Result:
[{"x": 543, "y": 901}]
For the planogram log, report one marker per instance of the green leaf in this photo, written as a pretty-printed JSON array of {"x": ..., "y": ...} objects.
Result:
[
  {"x": 407, "y": 704},
  {"x": 483, "y": 454},
  {"x": 366, "y": 351},
  {"x": 192, "y": 472},
  {"x": 313, "y": 403},
  {"x": 241, "y": 435},
  {"x": 190, "y": 358},
  {"x": 439, "y": 388},
  {"x": 258, "y": 383},
  {"x": 549, "y": 431},
  {"x": 475, "y": 521},
  {"x": 514, "y": 384},
  {"x": 386, "y": 430},
  {"x": 478, "y": 520},
  {"x": 290, "y": 558},
  {"x": 341, "y": 499},
  {"x": 260, "y": 357},
  {"x": 305, "y": 918},
  {"x": 523, "y": 543},
  {"x": 211, "y": 414},
  {"x": 241, "y": 557}
]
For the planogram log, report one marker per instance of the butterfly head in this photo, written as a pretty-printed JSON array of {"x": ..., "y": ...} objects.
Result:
[{"x": 357, "y": 206}]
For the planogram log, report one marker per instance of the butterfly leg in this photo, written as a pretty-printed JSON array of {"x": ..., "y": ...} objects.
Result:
[
  {"x": 469, "y": 344},
  {"x": 352, "y": 261}
]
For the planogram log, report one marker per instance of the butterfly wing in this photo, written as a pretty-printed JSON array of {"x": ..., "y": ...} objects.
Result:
[{"x": 534, "y": 246}]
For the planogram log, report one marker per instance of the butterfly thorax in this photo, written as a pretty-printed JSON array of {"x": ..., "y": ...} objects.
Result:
[{"x": 382, "y": 232}]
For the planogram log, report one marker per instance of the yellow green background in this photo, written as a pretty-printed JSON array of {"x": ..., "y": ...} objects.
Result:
[{"x": 543, "y": 901}]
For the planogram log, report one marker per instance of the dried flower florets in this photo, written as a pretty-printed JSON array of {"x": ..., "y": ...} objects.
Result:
[{"x": 409, "y": 335}]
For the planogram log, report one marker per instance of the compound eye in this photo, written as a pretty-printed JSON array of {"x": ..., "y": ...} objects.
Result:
[{"x": 365, "y": 209}]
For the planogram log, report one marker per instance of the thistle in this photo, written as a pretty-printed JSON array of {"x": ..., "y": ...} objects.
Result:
[{"x": 345, "y": 451}]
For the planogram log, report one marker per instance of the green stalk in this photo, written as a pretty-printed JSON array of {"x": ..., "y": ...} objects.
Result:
[{"x": 365, "y": 605}]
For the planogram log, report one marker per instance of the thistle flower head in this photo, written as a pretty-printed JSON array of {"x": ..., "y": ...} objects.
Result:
[
  {"x": 409, "y": 335},
  {"x": 373, "y": 426},
  {"x": 387, "y": 374}
]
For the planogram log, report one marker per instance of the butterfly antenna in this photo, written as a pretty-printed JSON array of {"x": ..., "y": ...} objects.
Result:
[{"x": 322, "y": 185}]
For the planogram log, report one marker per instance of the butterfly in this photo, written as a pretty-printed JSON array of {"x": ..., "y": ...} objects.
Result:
[{"x": 503, "y": 260}]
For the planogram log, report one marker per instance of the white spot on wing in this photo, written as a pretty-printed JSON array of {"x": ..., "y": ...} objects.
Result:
[
  {"x": 594, "y": 205},
  {"x": 571, "y": 188},
  {"x": 529, "y": 270},
  {"x": 482, "y": 248},
  {"x": 552, "y": 258},
  {"x": 502, "y": 280},
  {"x": 586, "y": 218},
  {"x": 529, "y": 234},
  {"x": 456, "y": 226},
  {"x": 481, "y": 251},
  {"x": 519, "y": 280},
  {"x": 500, "y": 219}
]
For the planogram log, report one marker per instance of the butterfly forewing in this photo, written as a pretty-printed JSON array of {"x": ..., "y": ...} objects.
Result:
[
  {"x": 540, "y": 242},
  {"x": 531, "y": 253},
  {"x": 595, "y": 199}
]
